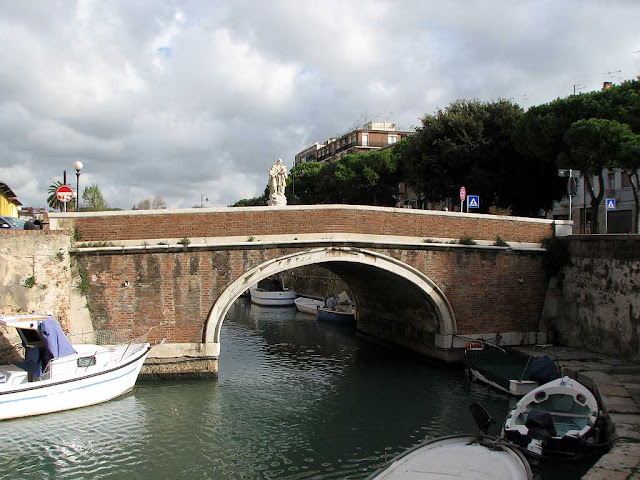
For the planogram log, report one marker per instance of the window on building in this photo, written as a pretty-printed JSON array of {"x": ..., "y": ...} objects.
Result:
[
  {"x": 626, "y": 181},
  {"x": 612, "y": 181},
  {"x": 365, "y": 139},
  {"x": 392, "y": 139}
]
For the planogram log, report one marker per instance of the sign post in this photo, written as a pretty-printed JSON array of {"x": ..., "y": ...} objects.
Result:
[
  {"x": 64, "y": 193},
  {"x": 610, "y": 204},
  {"x": 463, "y": 195},
  {"x": 473, "y": 201}
]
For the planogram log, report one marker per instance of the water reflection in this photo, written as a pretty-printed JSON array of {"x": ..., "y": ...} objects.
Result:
[{"x": 294, "y": 400}]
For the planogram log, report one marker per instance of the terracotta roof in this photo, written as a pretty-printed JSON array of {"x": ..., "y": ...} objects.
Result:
[{"x": 7, "y": 193}]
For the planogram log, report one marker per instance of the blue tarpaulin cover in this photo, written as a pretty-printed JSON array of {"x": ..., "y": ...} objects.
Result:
[{"x": 56, "y": 344}]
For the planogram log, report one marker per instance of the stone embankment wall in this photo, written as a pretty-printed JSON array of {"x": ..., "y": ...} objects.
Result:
[
  {"x": 34, "y": 276},
  {"x": 35, "y": 273},
  {"x": 598, "y": 296}
]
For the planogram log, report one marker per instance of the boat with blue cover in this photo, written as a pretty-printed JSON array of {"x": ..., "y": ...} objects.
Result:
[{"x": 56, "y": 375}]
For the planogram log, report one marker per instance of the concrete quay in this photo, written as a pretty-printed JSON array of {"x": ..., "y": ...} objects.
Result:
[{"x": 616, "y": 384}]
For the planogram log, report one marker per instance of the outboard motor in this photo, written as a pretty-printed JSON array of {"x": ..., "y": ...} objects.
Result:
[{"x": 541, "y": 427}]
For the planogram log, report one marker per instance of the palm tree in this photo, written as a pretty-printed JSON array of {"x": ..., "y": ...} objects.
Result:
[{"x": 54, "y": 203}]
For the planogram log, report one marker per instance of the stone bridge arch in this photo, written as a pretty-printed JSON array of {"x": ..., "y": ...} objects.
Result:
[{"x": 376, "y": 268}]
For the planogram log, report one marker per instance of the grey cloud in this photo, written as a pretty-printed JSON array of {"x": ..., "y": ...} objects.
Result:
[{"x": 181, "y": 99}]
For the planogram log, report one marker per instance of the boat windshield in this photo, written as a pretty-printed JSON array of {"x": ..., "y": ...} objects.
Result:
[{"x": 43, "y": 344}]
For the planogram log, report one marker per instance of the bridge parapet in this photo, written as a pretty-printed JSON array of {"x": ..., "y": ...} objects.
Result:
[{"x": 250, "y": 222}]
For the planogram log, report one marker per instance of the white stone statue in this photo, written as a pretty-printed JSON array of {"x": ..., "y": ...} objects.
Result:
[{"x": 277, "y": 183}]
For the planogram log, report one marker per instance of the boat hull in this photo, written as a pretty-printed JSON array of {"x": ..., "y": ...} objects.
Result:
[
  {"x": 517, "y": 388},
  {"x": 48, "y": 396},
  {"x": 458, "y": 456},
  {"x": 336, "y": 317},
  {"x": 284, "y": 298},
  {"x": 507, "y": 372},
  {"x": 308, "y": 305},
  {"x": 566, "y": 415}
]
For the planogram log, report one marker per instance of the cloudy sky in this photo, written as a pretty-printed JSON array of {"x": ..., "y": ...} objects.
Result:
[{"x": 197, "y": 99}]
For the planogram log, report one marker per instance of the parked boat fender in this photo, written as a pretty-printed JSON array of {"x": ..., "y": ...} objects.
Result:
[{"x": 475, "y": 345}]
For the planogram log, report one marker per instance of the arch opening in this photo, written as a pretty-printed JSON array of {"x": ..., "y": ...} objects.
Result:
[{"x": 367, "y": 274}]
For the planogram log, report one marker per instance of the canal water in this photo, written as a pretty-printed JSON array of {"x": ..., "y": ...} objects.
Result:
[{"x": 294, "y": 400}]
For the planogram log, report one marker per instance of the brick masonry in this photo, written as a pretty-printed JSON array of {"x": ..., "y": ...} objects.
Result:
[
  {"x": 490, "y": 290},
  {"x": 261, "y": 221}
]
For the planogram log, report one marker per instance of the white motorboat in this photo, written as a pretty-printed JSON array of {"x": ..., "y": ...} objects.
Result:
[
  {"x": 57, "y": 375},
  {"x": 308, "y": 305},
  {"x": 458, "y": 456},
  {"x": 272, "y": 293},
  {"x": 557, "y": 419}
]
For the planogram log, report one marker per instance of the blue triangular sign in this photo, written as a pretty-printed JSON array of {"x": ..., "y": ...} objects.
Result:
[
  {"x": 611, "y": 205},
  {"x": 473, "y": 203}
]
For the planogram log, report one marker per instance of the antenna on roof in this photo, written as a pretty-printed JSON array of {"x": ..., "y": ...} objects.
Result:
[
  {"x": 577, "y": 87},
  {"x": 613, "y": 74}
]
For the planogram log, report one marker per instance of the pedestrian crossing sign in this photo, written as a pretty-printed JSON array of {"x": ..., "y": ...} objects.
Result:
[
  {"x": 610, "y": 203},
  {"x": 473, "y": 201}
]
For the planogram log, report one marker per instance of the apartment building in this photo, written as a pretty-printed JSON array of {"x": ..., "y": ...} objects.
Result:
[
  {"x": 618, "y": 187},
  {"x": 371, "y": 136}
]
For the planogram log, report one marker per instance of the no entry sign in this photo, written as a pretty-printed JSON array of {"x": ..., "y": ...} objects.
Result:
[{"x": 64, "y": 193}]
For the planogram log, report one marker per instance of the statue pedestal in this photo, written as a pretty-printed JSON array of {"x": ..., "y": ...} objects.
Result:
[{"x": 277, "y": 201}]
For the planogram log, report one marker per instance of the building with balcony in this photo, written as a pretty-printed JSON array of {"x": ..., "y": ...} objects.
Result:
[{"x": 372, "y": 136}]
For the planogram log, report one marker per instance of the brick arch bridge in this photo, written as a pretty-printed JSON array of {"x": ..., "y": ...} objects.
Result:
[{"x": 414, "y": 283}]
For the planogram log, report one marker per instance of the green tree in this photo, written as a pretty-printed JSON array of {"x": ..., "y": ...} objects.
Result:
[
  {"x": 254, "y": 202},
  {"x": 368, "y": 179},
  {"x": 303, "y": 184},
  {"x": 92, "y": 199},
  {"x": 469, "y": 144},
  {"x": 596, "y": 144},
  {"x": 627, "y": 159},
  {"x": 540, "y": 133},
  {"x": 54, "y": 203}
]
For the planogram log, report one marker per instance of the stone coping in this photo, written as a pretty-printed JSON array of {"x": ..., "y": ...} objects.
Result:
[
  {"x": 302, "y": 240},
  {"x": 616, "y": 383}
]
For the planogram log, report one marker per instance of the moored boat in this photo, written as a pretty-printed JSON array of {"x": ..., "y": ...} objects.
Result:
[
  {"x": 558, "y": 419},
  {"x": 340, "y": 317},
  {"x": 507, "y": 370},
  {"x": 271, "y": 292},
  {"x": 458, "y": 456},
  {"x": 57, "y": 375},
  {"x": 308, "y": 305},
  {"x": 339, "y": 311}
]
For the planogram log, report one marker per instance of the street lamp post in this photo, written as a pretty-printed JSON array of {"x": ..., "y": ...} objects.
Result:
[
  {"x": 203, "y": 196},
  {"x": 78, "y": 166}
]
